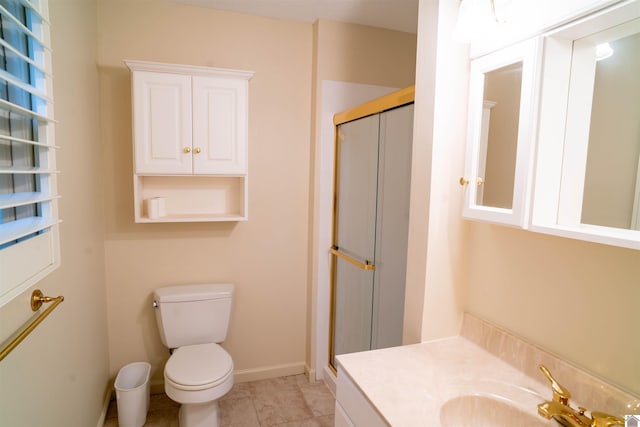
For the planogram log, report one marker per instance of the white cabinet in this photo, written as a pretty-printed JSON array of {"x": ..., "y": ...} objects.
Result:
[
  {"x": 500, "y": 135},
  {"x": 574, "y": 168},
  {"x": 190, "y": 129},
  {"x": 162, "y": 125},
  {"x": 341, "y": 419},
  {"x": 352, "y": 407},
  {"x": 220, "y": 125},
  {"x": 587, "y": 181}
]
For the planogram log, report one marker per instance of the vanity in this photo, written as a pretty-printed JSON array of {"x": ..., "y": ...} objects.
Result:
[
  {"x": 484, "y": 377},
  {"x": 428, "y": 383}
]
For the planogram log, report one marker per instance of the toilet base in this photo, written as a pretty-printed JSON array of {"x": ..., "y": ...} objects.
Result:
[{"x": 199, "y": 414}]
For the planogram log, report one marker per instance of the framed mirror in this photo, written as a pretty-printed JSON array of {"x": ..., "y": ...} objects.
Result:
[
  {"x": 502, "y": 105},
  {"x": 587, "y": 182}
]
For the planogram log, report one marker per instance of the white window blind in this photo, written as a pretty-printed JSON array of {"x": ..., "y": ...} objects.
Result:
[{"x": 29, "y": 246}]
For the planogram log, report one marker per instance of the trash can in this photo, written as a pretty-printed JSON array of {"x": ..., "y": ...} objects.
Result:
[{"x": 132, "y": 394}]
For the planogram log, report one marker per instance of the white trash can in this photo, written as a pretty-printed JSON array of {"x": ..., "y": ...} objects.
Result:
[{"x": 132, "y": 394}]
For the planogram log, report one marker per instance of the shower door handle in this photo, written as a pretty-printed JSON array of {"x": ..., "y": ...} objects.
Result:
[{"x": 366, "y": 265}]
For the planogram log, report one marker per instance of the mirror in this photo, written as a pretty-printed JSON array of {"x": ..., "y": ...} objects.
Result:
[
  {"x": 502, "y": 106},
  {"x": 587, "y": 177},
  {"x": 610, "y": 196},
  {"x": 500, "y": 120}
]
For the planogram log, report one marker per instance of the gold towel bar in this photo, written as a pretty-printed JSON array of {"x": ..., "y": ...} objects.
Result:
[
  {"x": 37, "y": 299},
  {"x": 360, "y": 265}
]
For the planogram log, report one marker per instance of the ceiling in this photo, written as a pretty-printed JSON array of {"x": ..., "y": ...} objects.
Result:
[{"x": 400, "y": 15}]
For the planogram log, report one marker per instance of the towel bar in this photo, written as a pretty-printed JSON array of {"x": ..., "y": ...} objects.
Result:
[{"x": 37, "y": 299}]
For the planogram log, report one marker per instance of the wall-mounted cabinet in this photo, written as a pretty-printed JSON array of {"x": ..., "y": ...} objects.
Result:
[
  {"x": 500, "y": 141},
  {"x": 588, "y": 156},
  {"x": 190, "y": 130},
  {"x": 563, "y": 158}
]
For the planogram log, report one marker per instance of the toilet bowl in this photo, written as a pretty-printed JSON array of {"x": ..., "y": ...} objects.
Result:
[
  {"x": 196, "y": 376},
  {"x": 192, "y": 319}
]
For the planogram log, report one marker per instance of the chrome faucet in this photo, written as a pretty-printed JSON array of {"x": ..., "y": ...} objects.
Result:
[{"x": 560, "y": 410}]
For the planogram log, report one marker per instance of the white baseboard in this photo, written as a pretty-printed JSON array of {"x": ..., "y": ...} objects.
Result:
[
  {"x": 330, "y": 379},
  {"x": 244, "y": 375},
  {"x": 105, "y": 404},
  {"x": 310, "y": 373}
]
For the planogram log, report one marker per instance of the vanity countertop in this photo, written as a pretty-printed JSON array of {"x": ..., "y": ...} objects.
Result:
[{"x": 409, "y": 384}]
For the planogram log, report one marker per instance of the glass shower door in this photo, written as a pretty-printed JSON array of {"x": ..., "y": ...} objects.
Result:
[{"x": 354, "y": 235}]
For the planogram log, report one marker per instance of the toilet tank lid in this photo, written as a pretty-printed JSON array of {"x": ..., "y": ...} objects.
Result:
[{"x": 182, "y": 293}]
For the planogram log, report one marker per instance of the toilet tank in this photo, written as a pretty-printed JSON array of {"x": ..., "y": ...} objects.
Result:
[{"x": 193, "y": 314}]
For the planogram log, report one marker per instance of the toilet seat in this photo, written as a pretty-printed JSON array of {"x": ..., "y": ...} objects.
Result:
[{"x": 198, "y": 367}]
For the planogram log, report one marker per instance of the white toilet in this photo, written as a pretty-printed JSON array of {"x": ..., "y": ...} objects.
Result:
[{"x": 192, "y": 319}]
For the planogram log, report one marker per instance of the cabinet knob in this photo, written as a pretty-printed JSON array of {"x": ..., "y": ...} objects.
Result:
[
  {"x": 463, "y": 181},
  {"x": 186, "y": 149},
  {"x": 479, "y": 181},
  {"x": 197, "y": 150}
]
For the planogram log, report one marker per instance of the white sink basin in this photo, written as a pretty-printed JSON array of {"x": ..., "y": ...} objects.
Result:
[
  {"x": 490, "y": 403},
  {"x": 485, "y": 411}
]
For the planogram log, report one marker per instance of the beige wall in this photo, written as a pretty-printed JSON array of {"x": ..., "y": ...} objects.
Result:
[
  {"x": 421, "y": 169},
  {"x": 264, "y": 257},
  {"x": 573, "y": 298},
  {"x": 361, "y": 54},
  {"x": 58, "y": 376},
  {"x": 436, "y": 265}
]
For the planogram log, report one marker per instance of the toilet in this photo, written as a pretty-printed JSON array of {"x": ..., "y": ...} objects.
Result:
[{"x": 192, "y": 320}]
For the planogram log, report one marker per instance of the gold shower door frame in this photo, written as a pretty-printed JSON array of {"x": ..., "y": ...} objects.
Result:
[{"x": 379, "y": 105}]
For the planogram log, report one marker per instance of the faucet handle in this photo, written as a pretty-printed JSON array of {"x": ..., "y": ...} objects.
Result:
[
  {"x": 601, "y": 419},
  {"x": 560, "y": 393}
]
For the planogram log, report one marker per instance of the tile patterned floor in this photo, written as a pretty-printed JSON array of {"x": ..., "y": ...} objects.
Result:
[{"x": 284, "y": 402}]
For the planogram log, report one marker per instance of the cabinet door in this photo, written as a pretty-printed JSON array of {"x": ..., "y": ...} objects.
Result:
[
  {"x": 356, "y": 408},
  {"x": 500, "y": 135},
  {"x": 219, "y": 125},
  {"x": 162, "y": 123}
]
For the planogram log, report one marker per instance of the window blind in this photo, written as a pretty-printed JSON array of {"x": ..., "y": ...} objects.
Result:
[
  {"x": 29, "y": 231},
  {"x": 27, "y": 151}
]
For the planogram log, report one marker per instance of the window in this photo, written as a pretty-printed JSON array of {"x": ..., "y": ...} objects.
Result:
[{"x": 29, "y": 242}]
